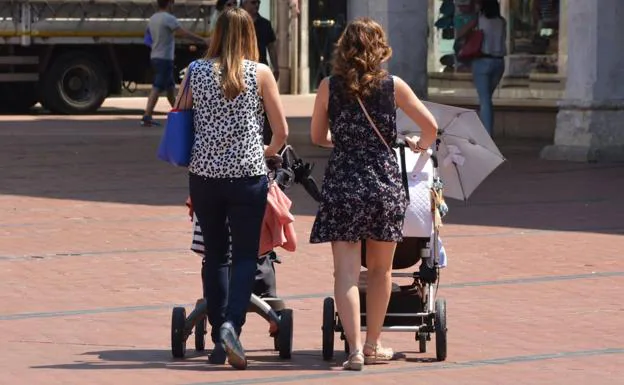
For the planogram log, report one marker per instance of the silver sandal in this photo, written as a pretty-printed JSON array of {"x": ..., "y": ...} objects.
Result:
[
  {"x": 378, "y": 354},
  {"x": 355, "y": 361}
]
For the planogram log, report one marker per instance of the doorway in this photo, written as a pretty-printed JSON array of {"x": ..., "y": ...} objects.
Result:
[{"x": 328, "y": 19}]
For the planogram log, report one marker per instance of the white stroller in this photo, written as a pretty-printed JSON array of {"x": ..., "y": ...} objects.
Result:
[{"x": 413, "y": 307}]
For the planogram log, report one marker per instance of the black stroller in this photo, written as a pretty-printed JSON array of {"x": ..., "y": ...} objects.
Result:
[
  {"x": 413, "y": 307},
  {"x": 287, "y": 169}
]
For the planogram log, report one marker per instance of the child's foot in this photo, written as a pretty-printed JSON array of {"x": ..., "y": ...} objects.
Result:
[
  {"x": 233, "y": 348},
  {"x": 217, "y": 357}
]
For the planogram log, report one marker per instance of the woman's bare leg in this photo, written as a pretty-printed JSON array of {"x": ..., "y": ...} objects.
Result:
[
  {"x": 346, "y": 275},
  {"x": 379, "y": 256}
]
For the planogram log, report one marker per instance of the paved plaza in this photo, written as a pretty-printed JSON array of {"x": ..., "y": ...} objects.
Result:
[{"x": 94, "y": 253}]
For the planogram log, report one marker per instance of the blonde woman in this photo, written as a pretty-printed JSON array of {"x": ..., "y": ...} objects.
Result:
[
  {"x": 229, "y": 92},
  {"x": 363, "y": 199}
]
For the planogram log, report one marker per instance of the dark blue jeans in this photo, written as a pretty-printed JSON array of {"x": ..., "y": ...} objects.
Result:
[
  {"x": 163, "y": 74},
  {"x": 243, "y": 202},
  {"x": 486, "y": 74}
]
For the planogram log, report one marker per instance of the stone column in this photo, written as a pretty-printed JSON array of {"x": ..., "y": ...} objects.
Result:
[
  {"x": 562, "y": 54},
  {"x": 505, "y": 8},
  {"x": 304, "y": 43},
  {"x": 283, "y": 44},
  {"x": 407, "y": 24},
  {"x": 294, "y": 47},
  {"x": 434, "y": 38},
  {"x": 589, "y": 122}
]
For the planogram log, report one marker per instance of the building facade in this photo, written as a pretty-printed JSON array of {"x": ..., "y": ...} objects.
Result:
[
  {"x": 568, "y": 51},
  {"x": 322, "y": 21},
  {"x": 537, "y": 39}
]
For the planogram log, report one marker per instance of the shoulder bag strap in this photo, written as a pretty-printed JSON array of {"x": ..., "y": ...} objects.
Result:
[
  {"x": 373, "y": 125},
  {"x": 401, "y": 149},
  {"x": 186, "y": 86}
]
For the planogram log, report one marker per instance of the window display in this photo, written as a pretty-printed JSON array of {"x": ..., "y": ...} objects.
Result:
[{"x": 534, "y": 35}]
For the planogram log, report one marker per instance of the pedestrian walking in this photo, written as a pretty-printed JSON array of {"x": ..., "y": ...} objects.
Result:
[
  {"x": 229, "y": 92},
  {"x": 163, "y": 27},
  {"x": 489, "y": 66},
  {"x": 363, "y": 199}
]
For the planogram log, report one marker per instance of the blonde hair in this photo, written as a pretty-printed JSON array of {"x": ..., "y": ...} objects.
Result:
[
  {"x": 358, "y": 56},
  {"x": 233, "y": 41}
]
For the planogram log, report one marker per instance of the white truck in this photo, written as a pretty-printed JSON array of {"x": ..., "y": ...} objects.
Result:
[{"x": 70, "y": 55}]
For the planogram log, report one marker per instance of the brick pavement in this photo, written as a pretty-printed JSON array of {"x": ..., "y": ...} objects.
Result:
[{"x": 93, "y": 255}]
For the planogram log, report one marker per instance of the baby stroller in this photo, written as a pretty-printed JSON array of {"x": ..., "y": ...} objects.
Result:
[
  {"x": 413, "y": 307},
  {"x": 284, "y": 170}
]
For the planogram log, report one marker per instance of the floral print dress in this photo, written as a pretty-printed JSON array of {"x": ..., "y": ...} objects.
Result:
[{"x": 362, "y": 194}]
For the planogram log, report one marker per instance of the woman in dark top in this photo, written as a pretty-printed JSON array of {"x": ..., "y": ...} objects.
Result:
[{"x": 363, "y": 198}]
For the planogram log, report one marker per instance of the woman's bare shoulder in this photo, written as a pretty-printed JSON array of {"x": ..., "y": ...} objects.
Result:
[
  {"x": 263, "y": 70},
  {"x": 399, "y": 84},
  {"x": 324, "y": 83}
]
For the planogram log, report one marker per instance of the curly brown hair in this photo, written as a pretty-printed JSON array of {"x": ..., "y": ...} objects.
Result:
[{"x": 358, "y": 56}]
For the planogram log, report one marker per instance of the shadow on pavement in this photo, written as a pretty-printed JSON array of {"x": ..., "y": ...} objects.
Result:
[
  {"x": 259, "y": 360},
  {"x": 107, "y": 158},
  {"x": 40, "y": 111},
  {"x": 98, "y": 160},
  {"x": 527, "y": 192}
]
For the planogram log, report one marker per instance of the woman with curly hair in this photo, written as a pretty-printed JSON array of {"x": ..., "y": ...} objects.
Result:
[{"x": 363, "y": 198}]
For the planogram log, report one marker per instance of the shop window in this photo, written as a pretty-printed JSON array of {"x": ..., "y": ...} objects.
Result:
[
  {"x": 534, "y": 36},
  {"x": 452, "y": 16}
]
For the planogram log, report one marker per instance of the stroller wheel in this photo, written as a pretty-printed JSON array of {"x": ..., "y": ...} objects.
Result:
[
  {"x": 200, "y": 334},
  {"x": 285, "y": 334},
  {"x": 440, "y": 328},
  {"x": 276, "y": 343},
  {"x": 328, "y": 328},
  {"x": 178, "y": 334},
  {"x": 422, "y": 342}
]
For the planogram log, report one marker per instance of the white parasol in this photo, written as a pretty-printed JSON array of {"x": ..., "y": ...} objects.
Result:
[{"x": 465, "y": 151}]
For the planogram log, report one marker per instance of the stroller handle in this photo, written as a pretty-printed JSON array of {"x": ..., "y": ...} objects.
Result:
[
  {"x": 274, "y": 162},
  {"x": 401, "y": 143}
]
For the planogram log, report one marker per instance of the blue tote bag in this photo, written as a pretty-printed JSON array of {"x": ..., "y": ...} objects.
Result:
[
  {"x": 147, "y": 38},
  {"x": 178, "y": 136}
]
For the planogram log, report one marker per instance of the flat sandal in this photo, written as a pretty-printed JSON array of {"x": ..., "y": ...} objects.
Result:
[
  {"x": 355, "y": 361},
  {"x": 379, "y": 354}
]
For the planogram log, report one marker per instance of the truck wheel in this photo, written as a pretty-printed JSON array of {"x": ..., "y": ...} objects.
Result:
[{"x": 75, "y": 83}]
